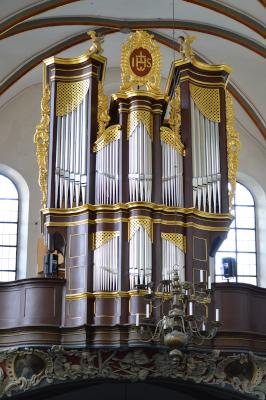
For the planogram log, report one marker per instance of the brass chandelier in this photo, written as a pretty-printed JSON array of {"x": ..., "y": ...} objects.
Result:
[{"x": 184, "y": 310}]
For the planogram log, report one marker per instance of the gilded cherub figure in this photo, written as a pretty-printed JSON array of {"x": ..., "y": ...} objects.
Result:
[
  {"x": 96, "y": 47},
  {"x": 186, "y": 46}
]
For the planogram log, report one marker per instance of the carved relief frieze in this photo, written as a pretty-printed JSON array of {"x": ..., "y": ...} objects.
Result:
[{"x": 26, "y": 369}]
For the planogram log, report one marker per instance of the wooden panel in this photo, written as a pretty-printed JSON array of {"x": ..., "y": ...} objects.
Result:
[
  {"x": 40, "y": 303},
  {"x": 31, "y": 302},
  {"x": 10, "y": 311}
]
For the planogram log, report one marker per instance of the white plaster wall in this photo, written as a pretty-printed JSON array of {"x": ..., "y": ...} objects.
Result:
[
  {"x": 252, "y": 173},
  {"x": 18, "y": 119}
]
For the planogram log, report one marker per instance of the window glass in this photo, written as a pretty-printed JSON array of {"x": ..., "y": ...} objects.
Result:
[
  {"x": 241, "y": 241},
  {"x": 8, "y": 229}
]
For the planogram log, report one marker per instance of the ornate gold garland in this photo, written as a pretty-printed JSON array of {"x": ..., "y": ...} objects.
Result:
[
  {"x": 41, "y": 140},
  {"x": 233, "y": 147},
  {"x": 172, "y": 135},
  {"x": 103, "y": 116}
]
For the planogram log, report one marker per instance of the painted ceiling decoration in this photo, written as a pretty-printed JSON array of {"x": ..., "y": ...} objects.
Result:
[{"x": 232, "y": 25}]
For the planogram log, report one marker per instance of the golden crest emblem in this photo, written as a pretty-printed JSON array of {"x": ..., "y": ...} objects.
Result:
[{"x": 141, "y": 62}]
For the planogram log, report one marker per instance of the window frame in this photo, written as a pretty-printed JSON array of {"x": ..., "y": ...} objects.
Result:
[
  {"x": 236, "y": 251},
  {"x": 23, "y": 218},
  {"x": 12, "y": 222}
]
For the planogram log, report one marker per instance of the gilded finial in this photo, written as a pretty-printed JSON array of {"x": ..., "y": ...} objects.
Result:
[
  {"x": 186, "y": 47},
  {"x": 96, "y": 47}
]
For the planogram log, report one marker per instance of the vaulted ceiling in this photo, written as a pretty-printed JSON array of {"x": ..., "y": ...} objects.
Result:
[{"x": 230, "y": 31}]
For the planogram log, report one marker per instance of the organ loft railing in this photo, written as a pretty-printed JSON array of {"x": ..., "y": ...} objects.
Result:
[{"x": 132, "y": 188}]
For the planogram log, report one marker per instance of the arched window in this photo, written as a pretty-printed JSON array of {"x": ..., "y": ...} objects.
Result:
[
  {"x": 8, "y": 229},
  {"x": 241, "y": 240}
]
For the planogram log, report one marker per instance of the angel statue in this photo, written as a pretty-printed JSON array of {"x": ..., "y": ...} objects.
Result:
[
  {"x": 96, "y": 47},
  {"x": 185, "y": 46}
]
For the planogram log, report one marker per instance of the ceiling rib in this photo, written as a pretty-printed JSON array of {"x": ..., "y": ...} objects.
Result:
[
  {"x": 82, "y": 37},
  {"x": 28, "y": 12},
  {"x": 229, "y": 12},
  {"x": 136, "y": 24},
  {"x": 232, "y": 13}
]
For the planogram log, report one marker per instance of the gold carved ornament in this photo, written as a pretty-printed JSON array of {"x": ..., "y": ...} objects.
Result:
[
  {"x": 104, "y": 135},
  {"x": 111, "y": 134},
  {"x": 70, "y": 95},
  {"x": 100, "y": 238},
  {"x": 141, "y": 63},
  {"x": 172, "y": 135},
  {"x": 207, "y": 100},
  {"x": 137, "y": 116},
  {"x": 103, "y": 116},
  {"x": 186, "y": 50},
  {"x": 177, "y": 239},
  {"x": 96, "y": 47},
  {"x": 136, "y": 222},
  {"x": 41, "y": 140},
  {"x": 233, "y": 147}
]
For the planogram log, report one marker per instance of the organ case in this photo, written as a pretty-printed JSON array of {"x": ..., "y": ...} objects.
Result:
[{"x": 136, "y": 189}]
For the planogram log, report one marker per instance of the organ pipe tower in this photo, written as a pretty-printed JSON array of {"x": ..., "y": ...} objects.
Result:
[{"x": 132, "y": 188}]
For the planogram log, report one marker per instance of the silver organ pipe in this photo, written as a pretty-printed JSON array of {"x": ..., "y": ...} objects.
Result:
[
  {"x": 71, "y": 153},
  {"x": 172, "y": 257},
  {"x": 140, "y": 258},
  {"x": 206, "y": 180},
  {"x": 172, "y": 176},
  {"x": 105, "y": 266},
  {"x": 107, "y": 179},
  {"x": 140, "y": 164}
]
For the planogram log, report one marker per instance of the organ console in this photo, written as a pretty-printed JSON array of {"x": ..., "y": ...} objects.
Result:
[{"x": 137, "y": 187}]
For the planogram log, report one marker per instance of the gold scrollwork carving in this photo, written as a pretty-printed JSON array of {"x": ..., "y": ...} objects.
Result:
[
  {"x": 207, "y": 100},
  {"x": 103, "y": 116},
  {"x": 111, "y": 134},
  {"x": 136, "y": 222},
  {"x": 98, "y": 239},
  {"x": 233, "y": 147},
  {"x": 141, "y": 40},
  {"x": 177, "y": 239},
  {"x": 41, "y": 140},
  {"x": 137, "y": 116},
  {"x": 172, "y": 136},
  {"x": 70, "y": 95}
]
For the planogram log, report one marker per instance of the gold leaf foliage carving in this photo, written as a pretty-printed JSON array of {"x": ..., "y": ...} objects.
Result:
[
  {"x": 103, "y": 116},
  {"x": 41, "y": 140},
  {"x": 233, "y": 147},
  {"x": 172, "y": 135}
]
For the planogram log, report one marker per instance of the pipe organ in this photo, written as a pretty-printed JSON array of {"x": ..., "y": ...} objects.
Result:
[{"x": 134, "y": 188}]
